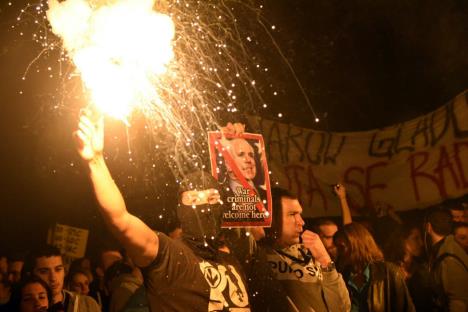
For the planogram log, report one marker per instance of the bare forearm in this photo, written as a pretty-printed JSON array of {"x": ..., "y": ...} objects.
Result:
[
  {"x": 345, "y": 211},
  {"x": 138, "y": 239},
  {"x": 110, "y": 200}
]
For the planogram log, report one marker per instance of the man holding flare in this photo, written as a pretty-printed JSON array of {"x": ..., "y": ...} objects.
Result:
[{"x": 190, "y": 272}]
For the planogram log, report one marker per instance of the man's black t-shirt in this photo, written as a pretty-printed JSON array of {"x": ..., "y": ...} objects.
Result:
[{"x": 179, "y": 280}]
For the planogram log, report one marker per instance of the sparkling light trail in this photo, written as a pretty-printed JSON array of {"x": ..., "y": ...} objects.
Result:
[{"x": 209, "y": 67}]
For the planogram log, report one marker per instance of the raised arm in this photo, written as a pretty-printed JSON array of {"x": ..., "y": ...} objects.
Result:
[
  {"x": 340, "y": 191},
  {"x": 138, "y": 239}
]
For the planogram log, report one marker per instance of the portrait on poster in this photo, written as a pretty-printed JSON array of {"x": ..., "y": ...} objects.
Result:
[{"x": 239, "y": 163}]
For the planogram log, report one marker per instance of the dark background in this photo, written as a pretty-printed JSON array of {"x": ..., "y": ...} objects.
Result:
[{"x": 363, "y": 64}]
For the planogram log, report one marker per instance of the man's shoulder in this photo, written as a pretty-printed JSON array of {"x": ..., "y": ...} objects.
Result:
[
  {"x": 451, "y": 252},
  {"x": 89, "y": 303},
  {"x": 165, "y": 242},
  {"x": 85, "y": 303},
  {"x": 174, "y": 259},
  {"x": 169, "y": 247}
]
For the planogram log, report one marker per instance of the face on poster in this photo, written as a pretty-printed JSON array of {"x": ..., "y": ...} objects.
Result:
[{"x": 239, "y": 164}]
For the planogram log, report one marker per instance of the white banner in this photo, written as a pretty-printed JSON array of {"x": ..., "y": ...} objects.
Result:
[{"x": 414, "y": 164}]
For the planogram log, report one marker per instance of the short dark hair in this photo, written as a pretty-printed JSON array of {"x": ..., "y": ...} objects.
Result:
[
  {"x": 441, "y": 221},
  {"x": 458, "y": 225},
  {"x": 322, "y": 221},
  {"x": 457, "y": 204},
  {"x": 16, "y": 256},
  {"x": 38, "y": 252},
  {"x": 116, "y": 269},
  {"x": 274, "y": 232}
]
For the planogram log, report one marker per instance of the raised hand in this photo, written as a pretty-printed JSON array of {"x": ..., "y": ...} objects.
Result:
[
  {"x": 90, "y": 136},
  {"x": 235, "y": 129},
  {"x": 340, "y": 190}
]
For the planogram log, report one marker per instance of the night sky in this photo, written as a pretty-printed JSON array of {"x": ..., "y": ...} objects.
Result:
[{"x": 363, "y": 64}]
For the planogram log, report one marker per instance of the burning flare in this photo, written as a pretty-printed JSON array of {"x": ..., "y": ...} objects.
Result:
[{"x": 120, "y": 49}]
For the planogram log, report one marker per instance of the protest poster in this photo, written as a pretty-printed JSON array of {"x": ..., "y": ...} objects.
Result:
[
  {"x": 70, "y": 240},
  {"x": 239, "y": 163}
]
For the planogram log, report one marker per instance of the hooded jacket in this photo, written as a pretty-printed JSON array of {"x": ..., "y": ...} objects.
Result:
[
  {"x": 285, "y": 280},
  {"x": 450, "y": 275}
]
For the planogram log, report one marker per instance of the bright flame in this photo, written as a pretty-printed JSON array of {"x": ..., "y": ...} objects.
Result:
[{"x": 119, "y": 48}]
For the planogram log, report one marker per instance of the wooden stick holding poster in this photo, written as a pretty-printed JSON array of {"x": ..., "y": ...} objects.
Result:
[{"x": 239, "y": 163}]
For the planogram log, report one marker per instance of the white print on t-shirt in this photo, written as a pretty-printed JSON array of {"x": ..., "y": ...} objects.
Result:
[
  {"x": 226, "y": 287},
  {"x": 286, "y": 269}
]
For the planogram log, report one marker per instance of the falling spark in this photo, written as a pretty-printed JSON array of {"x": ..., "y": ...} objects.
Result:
[{"x": 209, "y": 69}]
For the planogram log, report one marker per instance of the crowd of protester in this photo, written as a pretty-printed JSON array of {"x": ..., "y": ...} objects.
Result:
[
  {"x": 421, "y": 265},
  {"x": 379, "y": 262}
]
